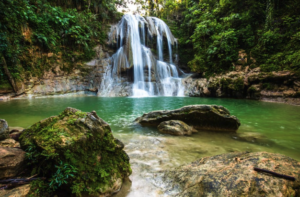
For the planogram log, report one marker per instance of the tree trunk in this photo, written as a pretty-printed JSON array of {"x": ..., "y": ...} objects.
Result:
[{"x": 10, "y": 78}]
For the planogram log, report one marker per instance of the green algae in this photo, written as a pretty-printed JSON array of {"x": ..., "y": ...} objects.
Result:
[{"x": 73, "y": 155}]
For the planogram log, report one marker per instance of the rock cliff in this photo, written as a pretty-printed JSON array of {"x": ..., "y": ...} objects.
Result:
[{"x": 281, "y": 86}]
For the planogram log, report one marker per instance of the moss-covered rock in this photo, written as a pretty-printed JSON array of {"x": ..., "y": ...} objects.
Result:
[
  {"x": 77, "y": 153},
  {"x": 201, "y": 117}
]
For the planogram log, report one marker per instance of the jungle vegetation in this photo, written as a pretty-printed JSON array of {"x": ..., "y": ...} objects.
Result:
[
  {"x": 212, "y": 32},
  {"x": 37, "y": 34}
]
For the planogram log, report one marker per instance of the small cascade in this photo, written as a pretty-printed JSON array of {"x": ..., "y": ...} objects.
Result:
[{"x": 134, "y": 37}]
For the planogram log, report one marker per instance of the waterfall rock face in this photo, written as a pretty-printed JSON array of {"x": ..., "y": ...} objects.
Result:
[{"x": 148, "y": 73}]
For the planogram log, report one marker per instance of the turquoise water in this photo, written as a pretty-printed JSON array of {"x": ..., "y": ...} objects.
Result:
[
  {"x": 150, "y": 151},
  {"x": 279, "y": 122}
]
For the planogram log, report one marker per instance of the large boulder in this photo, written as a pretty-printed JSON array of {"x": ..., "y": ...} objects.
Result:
[
  {"x": 233, "y": 174},
  {"x": 174, "y": 127},
  {"x": 201, "y": 117},
  {"x": 77, "y": 152},
  {"x": 12, "y": 162},
  {"x": 4, "y": 130}
]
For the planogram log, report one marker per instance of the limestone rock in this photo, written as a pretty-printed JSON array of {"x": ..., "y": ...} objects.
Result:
[
  {"x": 4, "y": 130},
  {"x": 174, "y": 127},
  {"x": 297, "y": 83},
  {"x": 206, "y": 91},
  {"x": 232, "y": 174},
  {"x": 9, "y": 143},
  {"x": 279, "y": 86},
  {"x": 21, "y": 191},
  {"x": 201, "y": 117},
  {"x": 12, "y": 162},
  {"x": 83, "y": 141},
  {"x": 289, "y": 93},
  {"x": 4, "y": 98}
]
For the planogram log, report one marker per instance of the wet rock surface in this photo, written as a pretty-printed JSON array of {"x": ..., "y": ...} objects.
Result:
[
  {"x": 232, "y": 174},
  {"x": 4, "y": 130},
  {"x": 201, "y": 117},
  {"x": 174, "y": 127},
  {"x": 12, "y": 162}
]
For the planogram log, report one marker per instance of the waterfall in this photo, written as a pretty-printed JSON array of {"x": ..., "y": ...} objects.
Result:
[{"x": 134, "y": 38}]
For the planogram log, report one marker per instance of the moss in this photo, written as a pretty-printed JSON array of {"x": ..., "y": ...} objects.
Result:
[
  {"x": 225, "y": 83},
  {"x": 252, "y": 89},
  {"x": 73, "y": 157},
  {"x": 5, "y": 85},
  {"x": 239, "y": 84},
  {"x": 268, "y": 86},
  {"x": 232, "y": 84}
]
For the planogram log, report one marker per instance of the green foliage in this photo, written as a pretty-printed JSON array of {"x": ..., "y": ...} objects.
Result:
[
  {"x": 71, "y": 121},
  {"x": 268, "y": 86},
  {"x": 232, "y": 84},
  {"x": 61, "y": 176},
  {"x": 69, "y": 30},
  {"x": 268, "y": 31}
]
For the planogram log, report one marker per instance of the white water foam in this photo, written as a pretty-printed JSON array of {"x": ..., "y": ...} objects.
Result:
[{"x": 151, "y": 77}]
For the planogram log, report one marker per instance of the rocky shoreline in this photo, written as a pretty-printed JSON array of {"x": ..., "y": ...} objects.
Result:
[
  {"x": 246, "y": 83},
  {"x": 279, "y": 87},
  {"x": 83, "y": 144}
]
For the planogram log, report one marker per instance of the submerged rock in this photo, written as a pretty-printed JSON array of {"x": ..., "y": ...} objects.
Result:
[
  {"x": 232, "y": 174},
  {"x": 77, "y": 151},
  {"x": 252, "y": 137},
  {"x": 4, "y": 130},
  {"x": 174, "y": 127},
  {"x": 12, "y": 162},
  {"x": 201, "y": 117}
]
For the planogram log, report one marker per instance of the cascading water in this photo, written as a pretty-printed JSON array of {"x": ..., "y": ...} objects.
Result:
[{"x": 151, "y": 76}]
